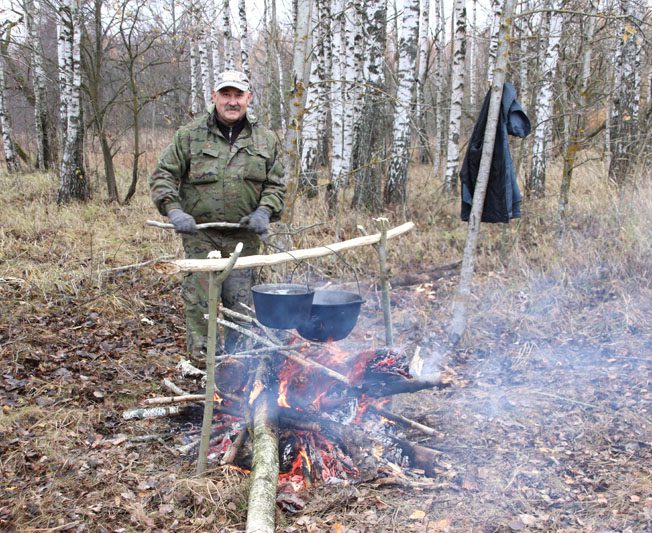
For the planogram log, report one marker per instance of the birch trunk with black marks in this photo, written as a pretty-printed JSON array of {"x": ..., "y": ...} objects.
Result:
[
  {"x": 420, "y": 111},
  {"x": 229, "y": 60},
  {"x": 536, "y": 185},
  {"x": 369, "y": 150},
  {"x": 457, "y": 95},
  {"x": 217, "y": 42},
  {"x": 73, "y": 184},
  {"x": 473, "y": 53},
  {"x": 42, "y": 127},
  {"x": 625, "y": 134},
  {"x": 316, "y": 102},
  {"x": 11, "y": 157},
  {"x": 462, "y": 298},
  {"x": 204, "y": 67},
  {"x": 497, "y": 10},
  {"x": 297, "y": 107},
  {"x": 337, "y": 105},
  {"x": 195, "y": 96},
  {"x": 397, "y": 178},
  {"x": 353, "y": 75},
  {"x": 244, "y": 38},
  {"x": 439, "y": 87}
]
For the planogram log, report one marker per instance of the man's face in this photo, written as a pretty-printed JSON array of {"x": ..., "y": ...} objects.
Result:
[{"x": 231, "y": 104}]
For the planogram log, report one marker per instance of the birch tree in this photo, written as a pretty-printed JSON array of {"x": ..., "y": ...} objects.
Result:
[
  {"x": 353, "y": 76},
  {"x": 424, "y": 49},
  {"x": 337, "y": 104},
  {"x": 316, "y": 100},
  {"x": 203, "y": 56},
  {"x": 293, "y": 134},
  {"x": 396, "y": 184},
  {"x": 438, "y": 90},
  {"x": 497, "y": 15},
  {"x": 196, "y": 97},
  {"x": 44, "y": 153},
  {"x": 244, "y": 38},
  {"x": 473, "y": 52},
  {"x": 369, "y": 151},
  {"x": 229, "y": 60},
  {"x": 216, "y": 36},
  {"x": 457, "y": 94},
  {"x": 462, "y": 298},
  {"x": 73, "y": 184},
  {"x": 11, "y": 158},
  {"x": 625, "y": 107},
  {"x": 536, "y": 184}
]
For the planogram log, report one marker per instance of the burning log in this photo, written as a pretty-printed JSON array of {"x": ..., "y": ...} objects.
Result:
[
  {"x": 290, "y": 355},
  {"x": 261, "y": 511},
  {"x": 404, "y": 421}
]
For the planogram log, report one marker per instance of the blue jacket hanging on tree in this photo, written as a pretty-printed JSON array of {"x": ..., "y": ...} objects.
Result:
[{"x": 503, "y": 199}]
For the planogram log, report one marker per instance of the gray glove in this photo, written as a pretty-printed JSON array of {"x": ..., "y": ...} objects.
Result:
[
  {"x": 182, "y": 221},
  {"x": 258, "y": 221}
]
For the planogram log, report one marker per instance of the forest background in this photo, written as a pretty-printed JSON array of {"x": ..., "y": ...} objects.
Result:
[{"x": 374, "y": 103}]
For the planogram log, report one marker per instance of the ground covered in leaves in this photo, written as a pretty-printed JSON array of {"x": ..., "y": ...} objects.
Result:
[{"x": 546, "y": 427}]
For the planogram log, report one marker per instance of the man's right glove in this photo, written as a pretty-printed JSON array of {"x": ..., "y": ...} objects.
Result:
[{"x": 182, "y": 221}]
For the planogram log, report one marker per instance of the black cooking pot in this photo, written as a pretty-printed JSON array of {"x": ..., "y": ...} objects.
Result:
[
  {"x": 282, "y": 305},
  {"x": 333, "y": 316}
]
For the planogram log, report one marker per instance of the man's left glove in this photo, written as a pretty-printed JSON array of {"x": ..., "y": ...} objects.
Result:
[{"x": 258, "y": 221}]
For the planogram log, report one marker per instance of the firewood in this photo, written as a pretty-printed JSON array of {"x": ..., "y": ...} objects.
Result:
[
  {"x": 261, "y": 509},
  {"x": 177, "y": 391},
  {"x": 290, "y": 355},
  {"x": 381, "y": 390},
  {"x": 404, "y": 421},
  {"x": 238, "y": 443},
  {"x": 163, "y": 400},
  {"x": 139, "y": 413}
]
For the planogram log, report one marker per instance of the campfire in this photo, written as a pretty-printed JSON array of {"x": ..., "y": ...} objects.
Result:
[
  {"x": 334, "y": 423},
  {"x": 295, "y": 413}
]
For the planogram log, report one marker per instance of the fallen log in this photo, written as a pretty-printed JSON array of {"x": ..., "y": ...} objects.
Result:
[
  {"x": 212, "y": 265},
  {"x": 140, "y": 413},
  {"x": 261, "y": 509}
]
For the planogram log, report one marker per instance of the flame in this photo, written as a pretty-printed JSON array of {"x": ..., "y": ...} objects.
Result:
[
  {"x": 386, "y": 420},
  {"x": 306, "y": 459},
  {"x": 217, "y": 399},
  {"x": 282, "y": 394},
  {"x": 255, "y": 391}
]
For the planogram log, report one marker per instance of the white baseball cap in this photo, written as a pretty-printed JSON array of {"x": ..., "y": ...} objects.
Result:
[{"x": 232, "y": 78}]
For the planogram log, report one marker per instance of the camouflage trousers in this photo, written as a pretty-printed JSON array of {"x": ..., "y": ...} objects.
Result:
[{"x": 194, "y": 288}]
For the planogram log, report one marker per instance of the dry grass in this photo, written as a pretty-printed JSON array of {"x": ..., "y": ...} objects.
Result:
[{"x": 533, "y": 293}]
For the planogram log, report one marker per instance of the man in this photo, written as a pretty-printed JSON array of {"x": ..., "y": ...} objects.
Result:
[{"x": 222, "y": 167}]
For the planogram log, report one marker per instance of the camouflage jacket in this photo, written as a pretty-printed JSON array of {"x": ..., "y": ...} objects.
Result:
[{"x": 214, "y": 181}]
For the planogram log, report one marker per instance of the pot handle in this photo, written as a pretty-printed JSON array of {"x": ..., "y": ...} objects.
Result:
[
  {"x": 339, "y": 256},
  {"x": 298, "y": 261}
]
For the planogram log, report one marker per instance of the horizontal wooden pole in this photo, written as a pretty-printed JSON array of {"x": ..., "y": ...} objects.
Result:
[
  {"x": 205, "y": 225},
  {"x": 212, "y": 265}
]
